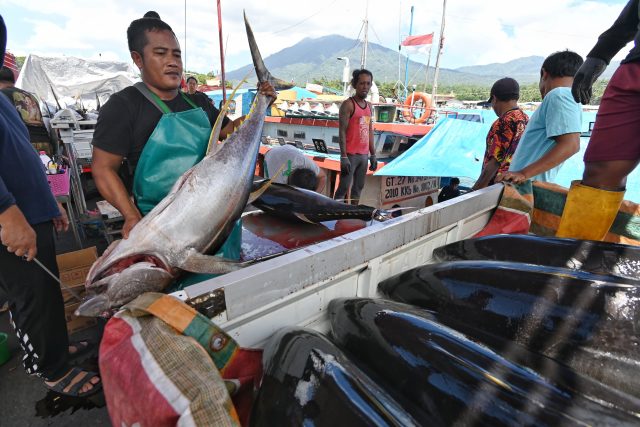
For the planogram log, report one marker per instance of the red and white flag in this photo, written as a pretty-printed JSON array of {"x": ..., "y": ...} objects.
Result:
[
  {"x": 421, "y": 43},
  {"x": 424, "y": 39}
]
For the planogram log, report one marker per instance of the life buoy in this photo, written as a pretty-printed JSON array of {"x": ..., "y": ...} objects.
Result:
[{"x": 411, "y": 101}]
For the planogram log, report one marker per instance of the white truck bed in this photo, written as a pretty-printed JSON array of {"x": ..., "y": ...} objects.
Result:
[{"x": 295, "y": 289}]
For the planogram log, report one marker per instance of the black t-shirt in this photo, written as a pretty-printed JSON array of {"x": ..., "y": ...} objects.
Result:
[{"x": 127, "y": 120}]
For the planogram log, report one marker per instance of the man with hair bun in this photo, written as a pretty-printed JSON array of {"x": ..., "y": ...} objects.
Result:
[
  {"x": 149, "y": 134},
  {"x": 356, "y": 138}
]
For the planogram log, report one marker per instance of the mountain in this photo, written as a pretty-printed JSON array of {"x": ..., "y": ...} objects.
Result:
[
  {"x": 316, "y": 58},
  {"x": 525, "y": 70}
]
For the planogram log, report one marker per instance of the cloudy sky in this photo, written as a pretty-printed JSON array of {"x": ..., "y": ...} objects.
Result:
[{"x": 476, "y": 32}]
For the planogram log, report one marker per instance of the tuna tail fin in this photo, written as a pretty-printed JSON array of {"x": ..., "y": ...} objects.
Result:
[{"x": 261, "y": 70}]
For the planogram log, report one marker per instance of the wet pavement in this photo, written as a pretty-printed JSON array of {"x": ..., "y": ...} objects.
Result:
[{"x": 24, "y": 401}]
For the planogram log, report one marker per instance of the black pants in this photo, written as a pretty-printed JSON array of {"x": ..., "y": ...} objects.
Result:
[
  {"x": 354, "y": 179},
  {"x": 36, "y": 307}
]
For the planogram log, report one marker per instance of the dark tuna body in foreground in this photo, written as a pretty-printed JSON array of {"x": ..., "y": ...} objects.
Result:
[
  {"x": 453, "y": 379},
  {"x": 589, "y": 322},
  {"x": 597, "y": 257},
  {"x": 309, "y": 381}
]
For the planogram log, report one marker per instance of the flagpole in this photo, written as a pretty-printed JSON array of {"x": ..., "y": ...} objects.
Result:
[
  {"x": 440, "y": 44},
  {"x": 406, "y": 64},
  {"x": 426, "y": 77}
]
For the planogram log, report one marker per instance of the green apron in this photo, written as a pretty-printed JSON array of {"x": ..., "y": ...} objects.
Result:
[{"x": 178, "y": 142}]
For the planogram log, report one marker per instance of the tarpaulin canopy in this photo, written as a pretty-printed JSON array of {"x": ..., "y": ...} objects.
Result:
[
  {"x": 452, "y": 148},
  {"x": 72, "y": 78}
]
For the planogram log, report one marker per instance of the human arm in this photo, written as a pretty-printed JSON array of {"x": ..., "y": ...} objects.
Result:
[
  {"x": 61, "y": 222},
  {"x": 16, "y": 233},
  {"x": 372, "y": 148},
  {"x": 322, "y": 181},
  {"x": 346, "y": 110},
  {"x": 488, "y": 172},
  {"x": 566, "y": 146},
  {"x": 618, "y": 35},
  {"x": 105, "y": 168}
]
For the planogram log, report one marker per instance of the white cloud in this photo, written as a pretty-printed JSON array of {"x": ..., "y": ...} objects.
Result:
[{"x": 477, "y": 32}]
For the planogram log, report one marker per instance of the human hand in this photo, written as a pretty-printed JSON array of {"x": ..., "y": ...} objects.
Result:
[
  {"x": 17, "y": 235},
  {"x": 345, "y": 165},
  {"x": 373, "y": 163},
  {"x": 583, "y": 81},
  {"x": 266, "y": 89},
  {"x": 515, "y": 177},
  {"x": 129, "y": 222},
  {"x": 61, "y": 223}
]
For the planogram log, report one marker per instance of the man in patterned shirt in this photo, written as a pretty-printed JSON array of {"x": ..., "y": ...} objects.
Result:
[{"x": 505, "y": 133}]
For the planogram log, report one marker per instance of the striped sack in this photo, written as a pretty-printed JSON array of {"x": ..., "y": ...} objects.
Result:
[{"x": 163, "y": 364}]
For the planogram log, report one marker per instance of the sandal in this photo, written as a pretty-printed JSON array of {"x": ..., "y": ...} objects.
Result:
[
  {"x": 82, "y": 347},
  {"x": 74, "y": 391}
]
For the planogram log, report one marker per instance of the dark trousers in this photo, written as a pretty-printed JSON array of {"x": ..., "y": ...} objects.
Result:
[
  {"x": 354, "y": 179},
  {"x": 36, "y": 307}
]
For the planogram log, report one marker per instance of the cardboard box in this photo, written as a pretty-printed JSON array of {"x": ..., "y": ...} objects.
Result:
[
  {"x": 74, "y": 267},
  {"x": 76, "y": 323}
]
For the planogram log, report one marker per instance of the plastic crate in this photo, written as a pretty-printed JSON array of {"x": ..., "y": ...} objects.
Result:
[{"x": 59, "y": 183}]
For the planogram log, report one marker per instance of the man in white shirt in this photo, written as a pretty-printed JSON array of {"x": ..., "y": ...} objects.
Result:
[{"x": 287, "y": 164}]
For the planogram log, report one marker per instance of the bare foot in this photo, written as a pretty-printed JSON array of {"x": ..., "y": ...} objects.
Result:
[
  {"x": 88, "y": 386},
  {"x": 80, "y": 346}
]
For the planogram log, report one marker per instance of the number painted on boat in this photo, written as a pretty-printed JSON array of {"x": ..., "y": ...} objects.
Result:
[{"x": 398, "y": 188}]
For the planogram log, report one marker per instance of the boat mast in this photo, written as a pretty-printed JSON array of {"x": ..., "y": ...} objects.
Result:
[
  {"x": 440, "y": 45},
  {"x": 426, "y": 75},
  {"x": 185, "y": 36},
  {"x": 222, "y": 79},
  {"x": 365, "y": 45},
  {"x": 406, "y": 64}
]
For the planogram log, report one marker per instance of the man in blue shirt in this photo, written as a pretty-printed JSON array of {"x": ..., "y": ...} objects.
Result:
[
  {"x": 553, "y": 132},
  {"x": 28, "y": 213}
]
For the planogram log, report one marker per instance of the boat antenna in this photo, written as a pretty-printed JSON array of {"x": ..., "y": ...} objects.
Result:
[
  {"x": 406, "y": 65},
  {"x": 222, "y": 77},
  {"x": 440, "y": 45},
  {"x": 365, "y": 45}
]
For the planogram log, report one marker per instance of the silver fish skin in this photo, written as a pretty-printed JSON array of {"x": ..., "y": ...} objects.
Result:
[{"x": 196, "y": 217}]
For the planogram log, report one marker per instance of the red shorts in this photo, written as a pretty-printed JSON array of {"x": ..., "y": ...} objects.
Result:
[{"x": 616, "y": 133}]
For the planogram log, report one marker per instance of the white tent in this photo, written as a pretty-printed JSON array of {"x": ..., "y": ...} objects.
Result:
[{"x": 74, "y": 78}]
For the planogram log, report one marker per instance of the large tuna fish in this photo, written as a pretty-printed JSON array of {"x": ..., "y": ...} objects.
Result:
[
  {"x": 597, "y": 257},
  {"x": 293, "y": 203},
  {"x": 589, "y": 322},
  {"x": 459, "y": 382},
  {"x": 309, "y": 381},
  {"x": 195, "y": 218}
]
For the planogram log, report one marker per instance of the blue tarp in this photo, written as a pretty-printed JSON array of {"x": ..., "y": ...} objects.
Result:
[
  {"x": 247, "y": 98},
  {"x": 452, "y": 148},
  {"x": 573, "y": 168},
  {"x": 456, "y": 148}
]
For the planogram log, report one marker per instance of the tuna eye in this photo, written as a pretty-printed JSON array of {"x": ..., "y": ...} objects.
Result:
[{"x": 218, "y": 342}]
